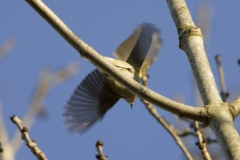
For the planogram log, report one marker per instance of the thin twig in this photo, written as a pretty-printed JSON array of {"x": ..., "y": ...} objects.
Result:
[
  {"x": 170, "y": 129},
  {"x": 100, "y": 155},
  {"x": 224, "y": 93},
  {"x": 201, "y": 142},
  {"x": 25, "y": 136},
  {"x": 47, "y": 80}
]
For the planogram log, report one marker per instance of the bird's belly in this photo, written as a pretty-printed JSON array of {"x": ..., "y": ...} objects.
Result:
[{"x": 121, "y": 91}]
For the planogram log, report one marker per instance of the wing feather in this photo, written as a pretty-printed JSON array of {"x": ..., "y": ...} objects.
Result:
[
  {"x": 89, "y": 103},
  {"x": 141, "y": 48}
]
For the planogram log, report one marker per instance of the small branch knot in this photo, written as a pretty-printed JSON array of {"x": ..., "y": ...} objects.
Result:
[
  {"x": 188, "y": 32},
  {"x": 99, "y": 143}
]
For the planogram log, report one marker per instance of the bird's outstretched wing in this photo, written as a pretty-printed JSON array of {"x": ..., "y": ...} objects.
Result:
[
  {"x": 89, "y": 103},
  {"x": 141, "y": 48}
]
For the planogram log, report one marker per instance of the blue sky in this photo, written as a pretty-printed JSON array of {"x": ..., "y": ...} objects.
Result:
[{"x": 127, "y": 133}]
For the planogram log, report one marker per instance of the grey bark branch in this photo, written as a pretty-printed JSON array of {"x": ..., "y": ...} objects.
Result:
[
  {"x": 221, "y": 114},
  {"x": 169, "y": 128},
  {"x": 191, "y": 41},
  {"x": 235, "y": 107},
  {"x": 194, "y": 113}
]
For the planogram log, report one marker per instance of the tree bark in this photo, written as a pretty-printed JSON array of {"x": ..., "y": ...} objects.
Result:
[{"x": 221, "y": 115}]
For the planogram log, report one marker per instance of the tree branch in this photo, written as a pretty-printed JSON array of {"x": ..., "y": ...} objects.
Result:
[
  {"x": 100, "y": 155},
  {"x": 170, "y": 129},
  {"x": 235, "y": 107},
  {"x": 195, "y": 113},
  {"x": 191, "y": 41},
  {"x": 221, "y": 116},
  {"x": 201, "y": 142},
  {"x": 25, "y": 136},
  {"x": 46, "y": 81}
]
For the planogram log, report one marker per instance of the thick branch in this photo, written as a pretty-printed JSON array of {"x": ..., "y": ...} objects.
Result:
[
  {"x": 90, "y": 54},
  {"x": 235, "y": 107},
  {"x": 222, "y": 125},
  {"x": 221, "y": 116},
  {"x": 191, "y": 41}
]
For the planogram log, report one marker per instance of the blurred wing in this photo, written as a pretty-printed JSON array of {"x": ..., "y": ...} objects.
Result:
[
  {"x": 141, "y": 48},
  {"x": 126, "y": 47},
  {"x": 89, "y": 103}
]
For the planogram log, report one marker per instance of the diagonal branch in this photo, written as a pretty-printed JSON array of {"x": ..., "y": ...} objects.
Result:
[
  {"x": 25, "y": 136},
  {"x": 47, "y": 80},
  {"x": 170, "y": 129},
  {"x": 195, "y": 113},
  {"x": 201, "y": 142}
]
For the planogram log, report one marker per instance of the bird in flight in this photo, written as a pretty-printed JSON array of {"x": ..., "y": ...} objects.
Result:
[{"x": 99, "y": 92}]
